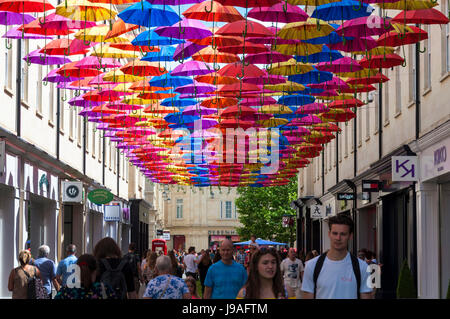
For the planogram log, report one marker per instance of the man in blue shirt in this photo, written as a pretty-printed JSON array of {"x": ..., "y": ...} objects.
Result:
[
  {"x": 63, "y": 271},
  {"x": 47, "y": 269},
  {"x": 226, "y": 277}
]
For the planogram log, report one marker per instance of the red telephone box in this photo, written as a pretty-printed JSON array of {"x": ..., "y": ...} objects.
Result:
[{"x": 159, "y": 245}]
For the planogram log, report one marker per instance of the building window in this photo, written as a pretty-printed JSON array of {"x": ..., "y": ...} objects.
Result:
[
  {"x": 79, "y": 122},
  {"x": 346, "y": 139},
  {"x": 100, "y": 142},
  {"x": 86, "y": 130},
  {"x": 24, "y": 70},
  {"x": 8, "y": 69},
  {"x": 341, "y": 136},
  {"x": 377, "y": 105},
  {"x": 61, "y": 117},
  {"x": 386, "y": 102},
  {"x": 445, "y": 42},
  {"x": 359, "y": 115},
  {"x": 427, "y": 60},
  {"x": 228, "y": 210},
  {"x": 51, "y": 104},
  {"x": 39, "y": 91},
  {"x": 412, "y": 72},
  {"x": 179, "y": 208},
  {"x": 94, "y": 135},
  {"x": 398, "y": 92}
]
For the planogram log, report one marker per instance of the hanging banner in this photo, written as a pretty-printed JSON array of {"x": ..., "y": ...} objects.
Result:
[
  {"x": 100, "y": 196},
  {"x": 317, "y": 211}
]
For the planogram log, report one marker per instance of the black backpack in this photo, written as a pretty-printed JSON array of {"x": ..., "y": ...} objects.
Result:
[
  {"x": 133, "y": 260},
  {"x": 35, "y": 287},
  {"x": 115, "y": 278},
  {"x": 356, "y": 270}
]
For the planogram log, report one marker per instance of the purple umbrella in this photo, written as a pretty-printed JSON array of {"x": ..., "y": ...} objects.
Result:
[
  {"x": 39, "y": 58},
  {"x": 326, "y": 93},
  {"x": 54, "y": 77},
  {"x": 86, "y": 112},
  {"x": 173, "y": 2},
  {"x": 345, "y": 64},
  {"x": 203, "y": 123},
  {"x": 12, "y": 18},
  {"x": 79, "y": 101},
  {"x": 192, "y": 68},
  {"x": 185, "y": 29},
  {"x": 198, "y": 110},
  {"x": 190, "y": 96},
  {"x": 196, "y": 88},
  {"x": 186, "y": 50},
  {"x": 364, "y": 26},
  {"x": 267, "y": 100}
]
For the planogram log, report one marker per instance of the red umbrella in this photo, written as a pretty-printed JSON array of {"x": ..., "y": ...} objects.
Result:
[
  {"x": 410, "y": 35},
  {"x": 244, "y": 28},
  {"x": 359, "y": 89},
  {"x": 238, "y": 110},
  {"x": 346, "y": 103},
  {"x": 425, "y": 16},
  {"x": 219, "y": 102},
  {"x": 248, "y": 3},
  {"x": 25, "y": 5},
  {"x": 339, "y": 115},
  {"x": 382, "y": 61},
  {"x": 245, "y": 48},
  {"x": 213, "y": 11},
  {"x": 70, "y": 70},
  {"x": 238, "y": 70},
  {"x": 65, "y": 47},
  {"x": 379, "y": 78},
  {"x": 143, "y": 68},
  {"x": 35, "y": 27}
]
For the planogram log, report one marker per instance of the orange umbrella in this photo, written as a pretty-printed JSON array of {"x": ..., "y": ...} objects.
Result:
[
  {"x": 218, "y": 41},
  {"x": 143, "y": 68},
  {"x": 127, "y": 46},
  {"x": 156, "y": 96},
  {"x": 219, "y": 102},
  {"x": 144, "y": 86},
  {"x": 105, "y": 110},
  {"x": 212, "y": 11},
  {"x": 119, "y": 27},
  {"x": 211, "y": 55}
]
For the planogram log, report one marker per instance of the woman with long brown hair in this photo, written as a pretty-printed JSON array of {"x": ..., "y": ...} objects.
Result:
[
  {"x": 264, "y": 279},
  {"x": 89, "y": 287},
  {"x": 150, "y": 266}
]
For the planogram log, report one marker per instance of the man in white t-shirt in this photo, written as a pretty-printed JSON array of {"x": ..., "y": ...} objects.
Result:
[
  {"x": 190, "y": 262},
  {"x": 292, "y": 271},
  {"x": 336, "y": 279}
]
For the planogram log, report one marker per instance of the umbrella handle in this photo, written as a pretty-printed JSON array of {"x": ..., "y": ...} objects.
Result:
[
  {"x": 359, "y": 8},
  {"x": 210, "y": 10},
  {"x": 77, "y": 93},
  {"x": 216, "y": 67},
  {"x": 214, "y": 44},
  {"x": 161, "y": 70},
  {"x": 285, "y": 6},
  {"x": 418, "y": 48},
  {"x": 269, "y": 67},
  {"x": 180, "y": 27},
  {"x": 384, "y": 24}
]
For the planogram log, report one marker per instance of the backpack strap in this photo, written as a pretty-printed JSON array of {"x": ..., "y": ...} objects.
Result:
[
  {"x": 317, "y": 269},
  {"x": 106, "y": 264},
  {"x": 357, "y": 271},
  {"x": 122, "y": 264}
]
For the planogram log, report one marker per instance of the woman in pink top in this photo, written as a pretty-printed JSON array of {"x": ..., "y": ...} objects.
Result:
[{"x": 192, "y": 285}]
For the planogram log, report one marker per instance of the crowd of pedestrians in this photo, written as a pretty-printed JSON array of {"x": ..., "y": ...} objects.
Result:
[{"x": 228, "y": 273}]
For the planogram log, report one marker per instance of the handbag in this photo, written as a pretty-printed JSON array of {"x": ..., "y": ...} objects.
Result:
[{"x": 167, "y": 286}]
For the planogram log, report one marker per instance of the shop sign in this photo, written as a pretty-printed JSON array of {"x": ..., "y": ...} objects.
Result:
[
  {"x": 44, "y": 181},
  {"x": 218, "y": 238},
  {"x": 112, "y": 212},
  {"x": 159, "y": 232},
  {"x": 346, "y": 196},
  {"x": 435, "y": 160},
  {"x": 100, "y": 196},
  {"x": 72, "y": 192},
  {"x": 405, "y": 168},
  {"x": 371, "y": 185},
  {"x": 317, "y": 211},
  {"x": 166, "y": 235},
  {"x": 126, "y": 213}
]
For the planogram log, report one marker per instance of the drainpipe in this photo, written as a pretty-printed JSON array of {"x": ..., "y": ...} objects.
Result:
[
  {"x": 18, "y": 86},
  {"x": 417, "y": 90},
  {"x": 84, "y": 145},
  {"x": 118, "y": 171},
  {"x": 337, "y": 157},
  {"x": 380, "y": 124},
  {"x": 355, "y": 146},
  {"x": 103, "y": 159},
  {"x": 323, "y": 170},
  {"x": 58, "y": 123}
]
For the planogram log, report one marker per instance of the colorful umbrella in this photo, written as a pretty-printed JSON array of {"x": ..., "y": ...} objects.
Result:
[
  {"x": 185, "y": 29},
  {"x": 83, "y": 10},
  {"x": 213, "y": 11},
  {"x": 279, "y": 12},
  {"x": 148, "y": 15}
]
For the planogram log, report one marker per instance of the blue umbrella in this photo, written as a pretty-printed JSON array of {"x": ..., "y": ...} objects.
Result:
[
  {"x": 296, "y": 100},
  {"x": 324, "y": 56},
  {"x": 313, "y": 76},
  {"x": 260, "y": 241},
  {"x": 165, "y": 54},
  {"x": 180, "y": 118},
  {"x": 150, "y": 38},
  {"x": 342, "y": 10},
  {"x": 177, "y": 102},
  {"x": 167, "y": 80},
  {"x": 145, "y": 14}
]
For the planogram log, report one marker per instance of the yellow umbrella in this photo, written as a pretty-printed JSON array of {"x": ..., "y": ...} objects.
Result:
[
  {"x": 118, "y": 76},
  {"x": 98, "y": 34},
  {"x": 304, "y": 30},
  {"x": 123, "y": 87},
  {"x": 290, "y": 67},
  {"x": 299, "y": 48},
  {"x": 288, "y": 86},
  {"x": 275, "y": 109},
  {"x": 377, "y": 51},
  {"x": 408, "y": 5},
  {"x": 273, "y": 122},
  {"x": 364, "y": 73},
  {"x": 106, "y": 51},
  {"x": 83, "y": 10}
]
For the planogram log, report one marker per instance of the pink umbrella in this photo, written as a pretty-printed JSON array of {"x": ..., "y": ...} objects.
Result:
[
  {"x": 279, "y": 12},
  {"x": 55, "y": 21},
  {"x": 92, "y": 62},
  {"x": 300, "y": 131},
  {"x": 267, "y": 100},
  {"x": 192, "y": 68},
  {"x": 54, "y": 77},
  {"x": 326, "y": 93},
  {"x": 198, "y": 110},
  {"x": 306, "y": 120},
  {"x": 14, "y": 33},
  {"x": 364, "y": 26},
  {"x": 345, "y": 64},
  {"x": 335, "y": 83},
  {"x": 267, "y": 58},
  {"x": 124, "y": 107},
  {"x": 196, "y": 87},
  {"x": 355, "y": 45}
]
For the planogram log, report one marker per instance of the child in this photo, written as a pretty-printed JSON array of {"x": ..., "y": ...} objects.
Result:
[{"x": 192, "y": 285}]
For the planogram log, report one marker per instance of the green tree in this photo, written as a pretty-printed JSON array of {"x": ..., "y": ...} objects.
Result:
[
  {"x": 405, "y": 286},
  {"x": 261, "y": 210}
]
